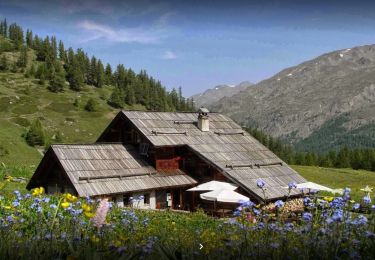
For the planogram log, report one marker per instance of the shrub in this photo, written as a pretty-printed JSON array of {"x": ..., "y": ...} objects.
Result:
[
  {"x": 35, "y": 135},
  {"x": 91, "y": 105}
]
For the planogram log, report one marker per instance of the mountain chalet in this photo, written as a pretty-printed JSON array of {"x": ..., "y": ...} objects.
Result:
[{"x": 159, "y": 155}]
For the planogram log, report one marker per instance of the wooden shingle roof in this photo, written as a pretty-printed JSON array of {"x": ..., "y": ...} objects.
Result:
[
  {"x": 104, "y": 169},
  {"x": 227, "y": 146}
]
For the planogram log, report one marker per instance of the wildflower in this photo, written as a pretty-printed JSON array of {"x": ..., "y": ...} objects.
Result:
[
  {"x": 247, "y": 204},
  {"x": 360, "y": 221},
  {"x": 89, "y": 214},
  {"x": 329, "y": 199},
  {"x": 101, "y": 213},
  {"x": 94, "y": 239},
  {"x": 16, "y": 203},
  {"x": 279, "y": 204},
  {"x": 10, "y": 219},
  {"x": 64, "y": 205},
  {"x": 292, "y": 185},
  {"x": 46, "y": 199},
  {"x": 70, "y": 198},
  {"x": 356, "y": 206},
  {"x": 307, "y": 216},
  {"x": 86, "y": 207},
  {"x": 53, "y": 206},
  {"x": 260, "y": 183},
  {"x": 366, "y": 200},
  {"x": 37, "y": 191}
]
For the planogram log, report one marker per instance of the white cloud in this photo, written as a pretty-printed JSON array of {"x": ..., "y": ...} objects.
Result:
[
  {"x": 169, "y": 55},
  {"x": 127, "y": 35}
]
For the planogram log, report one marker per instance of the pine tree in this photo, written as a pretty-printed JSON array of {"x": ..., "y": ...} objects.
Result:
[
  {"x": 99, "y": 74},
  {"x": 29, "y": 38},
  {"x": 75, "y": 77},
  {"x": 343, "y": 158},
  {"x": 117, "y": 98},
  {"x": 108, "y": 75},
  {"x": 35, "y": 135},
  {"x": 22, "y": 60},
  {"x": 57, "y": 82},
  {"x": 62, "y": 53}
]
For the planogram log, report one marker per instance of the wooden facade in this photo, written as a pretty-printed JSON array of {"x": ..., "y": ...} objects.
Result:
[{"x": 161, "y": 155}]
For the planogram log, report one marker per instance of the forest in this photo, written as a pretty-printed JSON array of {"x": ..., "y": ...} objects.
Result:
[
  {"x": 59, "y": 67},
  {"x": 341, "y": 158}
]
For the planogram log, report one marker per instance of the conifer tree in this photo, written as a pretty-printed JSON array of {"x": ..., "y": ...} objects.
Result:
[
  {"x": 57, "y": 82},
  {"x": 116, "y": 99},
  {"x": 22, "y": 60},
  {"x": 29, "y": 38},
  {"x": 35, "y": 135}
]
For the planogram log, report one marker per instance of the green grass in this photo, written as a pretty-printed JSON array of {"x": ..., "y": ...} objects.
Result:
[
  {"x": 339, "y": 178},
  {"x": 22, "y": 100}
]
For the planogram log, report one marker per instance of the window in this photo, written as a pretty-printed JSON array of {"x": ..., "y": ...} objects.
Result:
[
  {"x": 146, "y": 199},
  {"x": 126, "y": 200}
]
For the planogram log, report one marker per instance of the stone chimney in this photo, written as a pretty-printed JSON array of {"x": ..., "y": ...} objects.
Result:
[{"x": 203, "y": 120}]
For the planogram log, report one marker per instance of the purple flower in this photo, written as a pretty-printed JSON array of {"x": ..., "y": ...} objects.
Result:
[
  {"x": 360, "y": 221},
  {"x": 356, "y": 206},
  {"x": 46, "y": 199},
  {"x": 10, "y": 219},
  {"x": 260, "y": 183},
  {"x": 247, "y": 204},
  {"x": 16, "y": 203},
  {"x": 366, "y": 200},
  {"x": 279, "y": 204},
  {"x": 307, "y": 216},
  {"x": 292, "y": 185}
]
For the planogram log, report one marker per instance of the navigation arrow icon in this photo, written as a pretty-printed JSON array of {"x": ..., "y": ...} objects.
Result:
[{"x": 200, "y": 246}]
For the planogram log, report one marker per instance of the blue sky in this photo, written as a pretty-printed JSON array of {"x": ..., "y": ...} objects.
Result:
[{"x": 200, "y": 44}]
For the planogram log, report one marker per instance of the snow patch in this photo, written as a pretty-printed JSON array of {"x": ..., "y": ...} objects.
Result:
[
  {"x": 278, "y": 79},
  {"x": 290, "y": 74},
  {"x": 341, "y": 55},
  {"x": 232, "y": 86}
]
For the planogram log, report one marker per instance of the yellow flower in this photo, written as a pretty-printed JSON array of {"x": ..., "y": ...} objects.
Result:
[
  {"x": 94, "y": 239},
  {"x": 89, "y": 214},
  {"x": 64, "y": 205},
  {"x": 71, "y": 198},
  {"x": 86, "y": 207},
  {"x": 7, "y": 207},
  {"x": 329, "y": 199},
  {"x": 173, "y": 223},
  {"x": 38, "y": 191}
]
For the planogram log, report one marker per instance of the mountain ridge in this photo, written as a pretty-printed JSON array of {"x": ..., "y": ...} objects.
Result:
[
  {"x": 296, "y": 102},
  {"x": 214, "y": 94}
]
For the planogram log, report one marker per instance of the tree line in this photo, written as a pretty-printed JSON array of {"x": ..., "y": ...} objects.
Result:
[
  {"x": 57, "y": 65},
  {"x": 341, "y": 158}
]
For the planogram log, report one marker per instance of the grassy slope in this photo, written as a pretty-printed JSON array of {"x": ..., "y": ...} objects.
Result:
[
  {"x": 339, "y": 178},
  {"x": 23, "y": 99}
]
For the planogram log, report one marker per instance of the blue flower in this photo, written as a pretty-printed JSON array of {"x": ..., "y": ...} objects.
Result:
[
  {"x": 53, "y": 206},
  {"x": 292, "y": 185},
  {"x": 366, "y": 200},
  {"x": 236, "y": 213},
  {"x": 10, "y": 219},
  {"x": 46, "y": 199},
  {"x": 247, "y": 204},
  {"x": 356, "y": 206},
  {"x": 16, "y": 203},
  {"x": 360, "y": 221},
  {"x": 279, "y": 204},
  {"x": 307, "y": 216},
  {"x": 260, "y": 183}
]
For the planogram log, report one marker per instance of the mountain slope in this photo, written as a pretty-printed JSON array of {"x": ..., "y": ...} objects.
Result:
[
  {"x": 210, "y": 96},
  {"x": 324, "y": 102}
]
